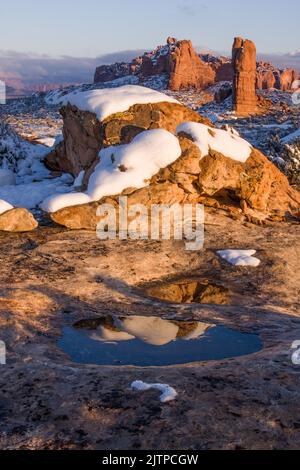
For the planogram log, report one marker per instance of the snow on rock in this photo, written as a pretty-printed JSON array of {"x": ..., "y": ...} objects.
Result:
[
  {"x": 79, "y": 180},
  {"x": 5, "y": 206},
  {"x": 122, "y": 167},
  {"x": 240, "y": 257},
  {"x": 132, "y": 165},
  {"x": 7, "y": 178},
  {"x": 107, "y": 101},
  {"x": 291, "y": 137},
  {"x": 55, "y": 202},
  {"x": 168, "y": 393},
  {"x": 227, "y": 142},
  {"x": 47, "y": 141},
  {"x": 24, "y": 180}
]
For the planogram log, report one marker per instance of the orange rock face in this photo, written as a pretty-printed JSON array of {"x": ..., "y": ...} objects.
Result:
[
  {"x": 244, "y": 81},
  {"x": 269, "y": 77},
  {"x": 187, "y": 69}
]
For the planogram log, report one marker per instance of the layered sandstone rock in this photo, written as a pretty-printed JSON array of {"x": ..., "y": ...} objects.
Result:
[
  {"x": 269, "y": 77},
  {"x": 285, "y": 79},
  {"x": 107, "y": 73},
  {"x": 255, "y": 189},
  {"x": 17, "y": 220},
  {"x": 244, "y": 65},
  {"x": 84, "y": 135},
  {"x": 187, "y": 69},
  {"x": 177, "y": 60}
]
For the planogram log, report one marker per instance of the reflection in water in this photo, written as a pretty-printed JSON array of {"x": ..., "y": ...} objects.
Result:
[
  {"x": 151, "y": 341},
  {"x": 150, "y": 330},
  {"x": 187, "y": 292}
]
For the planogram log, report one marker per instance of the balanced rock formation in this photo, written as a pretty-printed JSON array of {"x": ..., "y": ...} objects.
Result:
[
  {"x": 17, "y": 220},
  {"x": 244, "y": 82}
]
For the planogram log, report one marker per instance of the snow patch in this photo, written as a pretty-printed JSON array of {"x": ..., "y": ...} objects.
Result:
[
  {"x": 227, "y": 142},
  {"x": 7, "y": 178},
  {"x": 5, "y": 206},
  {"x": 240, "y": 257},
  {"x": 79, "y": 180},
  {"x": 122, "y": 167},
  {"x": 168, "y": 393},
  {"x": 54, "y": 203},
  {"x": 108, "y": 101},
  {"x": 291, "y": 137},
  {"x": 30, "y": 195}
]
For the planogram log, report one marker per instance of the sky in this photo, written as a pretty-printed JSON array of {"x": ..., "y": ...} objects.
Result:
[{"x": 90, "y": 28}]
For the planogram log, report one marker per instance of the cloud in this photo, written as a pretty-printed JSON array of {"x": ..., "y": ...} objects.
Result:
[
  {"x": 27, "y": 70},
  {"x": 291, "y": 60},
  {"x": 190, "y": 7}
]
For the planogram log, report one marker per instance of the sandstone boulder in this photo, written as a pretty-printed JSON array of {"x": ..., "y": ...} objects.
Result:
[
  {"x": 17, "y": 220},
  {"x": 255, "y": 188}
]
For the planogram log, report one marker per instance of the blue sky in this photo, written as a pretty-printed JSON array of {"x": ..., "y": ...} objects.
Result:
[{"x": 94, "y": 27}]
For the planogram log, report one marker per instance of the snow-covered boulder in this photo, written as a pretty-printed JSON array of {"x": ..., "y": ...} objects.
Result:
[
  {"x": 163, "y": 153},
  {"x": 100, "y": 118}
]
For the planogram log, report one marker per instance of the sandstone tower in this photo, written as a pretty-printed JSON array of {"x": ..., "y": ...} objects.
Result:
[{"x": 244, "y": 80}]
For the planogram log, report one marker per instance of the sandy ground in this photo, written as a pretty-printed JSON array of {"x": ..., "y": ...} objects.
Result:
[{"x": 51, "y": 278}]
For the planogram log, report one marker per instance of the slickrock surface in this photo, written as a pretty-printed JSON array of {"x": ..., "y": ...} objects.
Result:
[{"x": 52, "y": 278}]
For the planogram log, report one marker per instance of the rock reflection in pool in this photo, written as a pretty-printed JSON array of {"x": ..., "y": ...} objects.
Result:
[
  {"x": 192, "y": 291},
  {"x": 151, "y": 341}
]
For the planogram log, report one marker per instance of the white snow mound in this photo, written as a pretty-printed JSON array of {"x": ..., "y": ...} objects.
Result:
[
  {"x": 108, "y": 101},
  {"x": 168, "y": 393},
  {"x": 227, "y": 142},
  {"x": 7, "y": 178},
  {"x": 5, "y": 206},
  {"x": 240, "y": 257},
  {"x": 122, "y": 167}
]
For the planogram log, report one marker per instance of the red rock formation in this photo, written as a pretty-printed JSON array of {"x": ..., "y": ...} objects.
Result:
[
  {"x": 265, "y": 80},
  {"x": 177, "y": 59},
  {"x": 244, "y": 65},
  {"x": 107, "y": 73},
  {"x": 187, "y": 69},
  {"x": 270, "y": 77},
  {"x": 225, "y": 73},
  {"x": 287, "y": 78}
]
